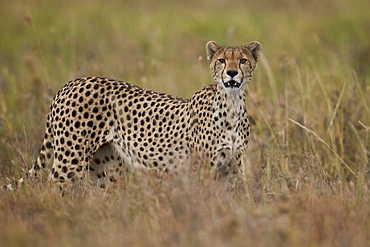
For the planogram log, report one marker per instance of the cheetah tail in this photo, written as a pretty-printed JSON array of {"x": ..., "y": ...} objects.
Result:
[{"x": 46, "y": 153}]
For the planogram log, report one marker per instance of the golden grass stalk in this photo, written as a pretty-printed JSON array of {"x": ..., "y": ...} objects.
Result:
[
  {"x": 325, "y": 144},
  {"x": 337, "y": 106}
]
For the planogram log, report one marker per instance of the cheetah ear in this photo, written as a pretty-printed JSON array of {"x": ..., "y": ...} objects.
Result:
[
  {"x": 211, "y": 48},
  {"x": 255, "y": 48}
]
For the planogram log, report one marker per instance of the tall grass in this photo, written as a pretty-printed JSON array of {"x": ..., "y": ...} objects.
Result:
[{"x": 308, "y": 170}]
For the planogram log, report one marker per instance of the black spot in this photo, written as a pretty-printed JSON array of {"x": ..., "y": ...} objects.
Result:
[{"x": 48, "y": 145}]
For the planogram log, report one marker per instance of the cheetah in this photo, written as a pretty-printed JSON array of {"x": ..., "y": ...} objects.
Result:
[{"x": 97, "y": 128}]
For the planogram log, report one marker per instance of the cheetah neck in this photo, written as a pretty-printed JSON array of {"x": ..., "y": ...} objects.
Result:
[{"x": 232, "y": 102}]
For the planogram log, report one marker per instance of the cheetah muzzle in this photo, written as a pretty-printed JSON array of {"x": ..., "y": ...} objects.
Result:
[
  {"x": 232, "y": 84},
  {"x": 98, "y": 128}
]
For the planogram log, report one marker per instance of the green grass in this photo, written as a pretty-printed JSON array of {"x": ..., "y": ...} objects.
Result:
[{"x": 308, "y": 174}]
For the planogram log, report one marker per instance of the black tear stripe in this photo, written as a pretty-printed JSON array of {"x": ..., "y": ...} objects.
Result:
[
  {"x": 222, "y": 73},
  {"x": 241, "y": 71}
]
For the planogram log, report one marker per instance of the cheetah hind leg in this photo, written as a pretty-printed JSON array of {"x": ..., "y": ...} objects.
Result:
[{"x": 107, "y": 166}]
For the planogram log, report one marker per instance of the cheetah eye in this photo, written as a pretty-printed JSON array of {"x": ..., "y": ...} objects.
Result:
[
  {"x": 243, "y": 61},
  {"x": 221, "y": 60}
]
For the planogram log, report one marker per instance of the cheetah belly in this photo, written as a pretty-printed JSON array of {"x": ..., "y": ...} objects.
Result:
[{"x": 153, "y": 157}]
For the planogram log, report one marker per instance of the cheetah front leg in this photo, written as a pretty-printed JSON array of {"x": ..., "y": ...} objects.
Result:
[
  {"x": 228, "y": 163},
  {"x": 221, "y": 160}
]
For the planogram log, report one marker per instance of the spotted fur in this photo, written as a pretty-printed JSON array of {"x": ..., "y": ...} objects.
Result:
[{"x": 97, "y": 128}]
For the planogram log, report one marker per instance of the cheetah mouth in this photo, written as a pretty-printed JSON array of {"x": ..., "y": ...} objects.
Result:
[{"x": 232, "y": 84}]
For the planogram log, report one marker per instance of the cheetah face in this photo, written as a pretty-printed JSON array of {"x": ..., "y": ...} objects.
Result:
[{"x": 232, "y": 67}]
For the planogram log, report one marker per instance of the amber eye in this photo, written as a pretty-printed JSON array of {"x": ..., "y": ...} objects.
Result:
[
  {"x": 243, "y": 61},
  {"x": 221, "y": 60}
]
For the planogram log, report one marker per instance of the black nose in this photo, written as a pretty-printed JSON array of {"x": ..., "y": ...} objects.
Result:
[{"x": 232, "y": 73}]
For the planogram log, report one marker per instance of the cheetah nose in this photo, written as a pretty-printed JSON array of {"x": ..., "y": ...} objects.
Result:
[{"x": 232, "y": 73}]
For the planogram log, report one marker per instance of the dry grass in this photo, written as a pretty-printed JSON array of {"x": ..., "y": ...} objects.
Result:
[
  {"x": 308, "y": 174},
  {"x": 185, "y": 211}
]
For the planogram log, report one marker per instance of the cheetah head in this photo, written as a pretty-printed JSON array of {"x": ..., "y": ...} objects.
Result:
[{"x": 232, "y": 67}]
